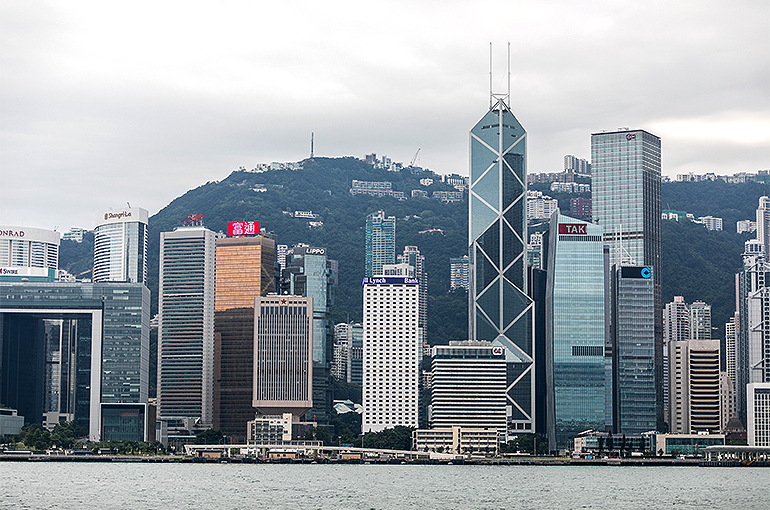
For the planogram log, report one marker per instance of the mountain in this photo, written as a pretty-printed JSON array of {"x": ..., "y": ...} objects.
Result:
[
  {"x": 322, "y": 186},
  {"x": 697, "y": 263}
]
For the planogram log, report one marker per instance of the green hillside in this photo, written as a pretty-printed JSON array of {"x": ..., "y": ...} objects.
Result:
[
  {"x": 322, "y": 187},
  {"x": 697, "y": 263}
]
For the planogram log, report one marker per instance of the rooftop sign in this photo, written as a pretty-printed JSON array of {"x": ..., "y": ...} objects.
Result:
[
  {"x": 243, "y": 228},
  {"x": 636, "y": 272},
  {"x": 572, "y": 228},
  {"x": 389, "y": 280}
]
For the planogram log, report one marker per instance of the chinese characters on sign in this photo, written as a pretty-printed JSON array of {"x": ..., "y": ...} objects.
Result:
[{"x": 243, "y": 228}]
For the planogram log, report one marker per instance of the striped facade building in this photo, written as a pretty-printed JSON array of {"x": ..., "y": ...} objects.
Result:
[
  {"x": 283, "y": 355},
  {"x": 469, "y": 383}
]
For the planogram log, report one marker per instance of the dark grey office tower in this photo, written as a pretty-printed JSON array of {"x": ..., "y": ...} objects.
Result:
[
  {"x": 80, "y": 351},
  {"x": 633, "y": 360}
]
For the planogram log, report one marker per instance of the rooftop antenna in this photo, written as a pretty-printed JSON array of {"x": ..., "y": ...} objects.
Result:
[
  {"x": 509, "y": 73},
  {"x": 497, "y": 98},
  {"x": 490, "y": 76},
  {"x": 311, "y": 144}
]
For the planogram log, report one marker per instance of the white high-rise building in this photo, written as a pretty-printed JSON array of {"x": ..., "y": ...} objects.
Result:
[
  {"x": 763, "y": 222},
  {"x": 700, "y": 321},
  {"x": 695, "y": 404},
  {"x": 391, "y": 353},
  {"x": 730, "y": 346},
  {"x": 29, "y": 247},
  {"x": 120, "y": 246},
  {"x": 186, "y": 324},
  {"x": 758, "y": 413},
  {"x": 458, "y": 273},
  {"x": 468, "y": 383}
]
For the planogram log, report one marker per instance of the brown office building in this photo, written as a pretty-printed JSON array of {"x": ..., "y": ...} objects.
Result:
[{"x": 244, "y": 270}]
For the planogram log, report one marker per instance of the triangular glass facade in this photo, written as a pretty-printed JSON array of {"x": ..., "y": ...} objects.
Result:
[{"x": 501, "y": 311}]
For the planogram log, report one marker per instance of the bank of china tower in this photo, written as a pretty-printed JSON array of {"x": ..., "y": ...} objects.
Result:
[{"x": 500, "y": 309}]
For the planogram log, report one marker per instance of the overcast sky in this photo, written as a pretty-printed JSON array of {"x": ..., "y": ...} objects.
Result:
[{"x": 104, "y": 103}]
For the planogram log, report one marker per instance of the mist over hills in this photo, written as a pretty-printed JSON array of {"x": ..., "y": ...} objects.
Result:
[{"x": 697, "y": 263}]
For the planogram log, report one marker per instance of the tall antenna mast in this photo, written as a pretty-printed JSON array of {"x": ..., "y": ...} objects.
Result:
[
  {"x": 490, "y": 75},
  {"x": 502, "y": 99},
  {"x": 311, "y": 144},
  {"x": 509, "y": 73}
]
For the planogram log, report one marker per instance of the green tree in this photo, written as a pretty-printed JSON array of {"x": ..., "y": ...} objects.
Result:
[
  {"x": 210, "y": 436},
  {"x": 37, "y": 438},
  {"x": 397, "y": 438}
]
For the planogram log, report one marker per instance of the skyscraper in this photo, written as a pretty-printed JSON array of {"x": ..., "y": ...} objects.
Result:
[
  {"x": 120, "y": 246},
  {"x": 310, "y": 274},
  {"x": 634, "y": 399},
  {"x": 283, "y": 355},
  {"x": 412, "y": 257},
  {"x": 500, "y": 310},
  {"x": 91, "y": 367},
  {"x": 625, "y": 176},
  {"x": 752, "y": 328},
  {"x": 391, "y": 353},
  {"x": 676, "y": 328},
  {"x": 29, "y": 247},
  {"x": 763, "y": 224},
  {"x": 575, "y": 330},
  {"x": 695, "y": 395},
  {"x": 186, "y": 324},
  {"x": 245, "y": 269},
  {"x": 380, "y": 242},
  {"x": 468, "y": 389},
  {"x": 458, "y": 273},
  {"x": 700, "y": 321}
]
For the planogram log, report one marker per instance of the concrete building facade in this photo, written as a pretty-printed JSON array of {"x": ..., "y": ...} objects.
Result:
[
  {"x": 391, "y": 345},
  {"x": 283, "y": 355},
  {"x": 186, "y": 324}
]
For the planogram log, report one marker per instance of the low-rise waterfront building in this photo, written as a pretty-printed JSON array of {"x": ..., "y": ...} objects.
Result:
[{"x": 457, "y": 440}]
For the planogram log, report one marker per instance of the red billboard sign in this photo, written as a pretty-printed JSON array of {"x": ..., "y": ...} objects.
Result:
[
  {"x": 243, "y": 228},
  {"x": 572, "y": 228}
]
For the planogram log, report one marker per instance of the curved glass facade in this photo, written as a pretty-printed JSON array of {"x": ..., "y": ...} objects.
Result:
[{"x": 575, "y": 330}]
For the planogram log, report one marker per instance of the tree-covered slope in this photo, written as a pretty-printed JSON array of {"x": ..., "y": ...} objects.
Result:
[
  {"x": 322, "y": 187},
  {"x": 697, "y": 263}
]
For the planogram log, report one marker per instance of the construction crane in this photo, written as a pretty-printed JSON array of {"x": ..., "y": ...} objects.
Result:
[{"x": 411, "y": 163}]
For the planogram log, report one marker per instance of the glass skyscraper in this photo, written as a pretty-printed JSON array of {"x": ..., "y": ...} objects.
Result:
[
  {"x": 500, "y": 309},
  {"x": 380, "y": 242},
  {"x": 633, "y": 362},
  {"x": 625, "y": 178},
  {"x": 98, "y": 359},
  {"x": 309, "y": 273},
  {"x": 575, "y": 330}
]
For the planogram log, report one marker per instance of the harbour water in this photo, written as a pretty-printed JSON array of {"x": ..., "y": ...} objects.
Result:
[{"x": 36, "y": 485}]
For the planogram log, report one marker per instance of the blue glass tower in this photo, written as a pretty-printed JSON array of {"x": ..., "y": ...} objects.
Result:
[
  {"x": 309, "y": 273},
  {"x": 575, "y": 330},
  {"x": 500, "y": 310}
]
